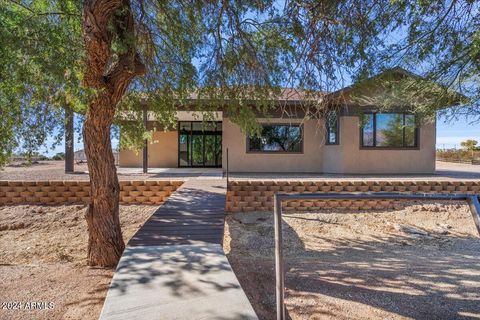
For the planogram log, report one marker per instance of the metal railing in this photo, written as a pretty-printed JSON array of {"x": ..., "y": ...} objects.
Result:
[{"x": 278, "y": 198}]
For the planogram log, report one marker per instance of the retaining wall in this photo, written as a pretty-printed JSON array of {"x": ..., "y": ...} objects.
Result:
[
  {"x": 241, "y": 195},
  {"x": 69, "y": 192},
  {"x": 258, "y": 195}
]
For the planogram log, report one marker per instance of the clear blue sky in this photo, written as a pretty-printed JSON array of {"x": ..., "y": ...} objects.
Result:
[{"x": 449, "y": 135}]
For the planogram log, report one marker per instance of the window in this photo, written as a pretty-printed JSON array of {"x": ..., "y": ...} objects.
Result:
[
  {"x": 331, "y": 125},
  {"x": 277, "y": 138},
  {"x": 389, "y": 130},
  {"x": 199, "y": 144}
]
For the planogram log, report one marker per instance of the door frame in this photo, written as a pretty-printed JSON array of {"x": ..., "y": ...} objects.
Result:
[{"x": 202, "y": 133}]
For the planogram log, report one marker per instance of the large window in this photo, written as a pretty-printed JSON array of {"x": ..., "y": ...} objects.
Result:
[
  {"x": 199, "y": 144},
  {"x": 331, "y": 126},
  {"x": 389, "y": 130},
  {"x": 277, "y": 138}
]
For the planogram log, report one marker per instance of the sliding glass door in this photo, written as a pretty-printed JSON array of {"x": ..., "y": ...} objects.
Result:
[{"x": 199, "y": 144}]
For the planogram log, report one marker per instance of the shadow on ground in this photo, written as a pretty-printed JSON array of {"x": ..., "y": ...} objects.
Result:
[
  {"x": 179, "y": 282},
  {"x": 391, "y": 276}
]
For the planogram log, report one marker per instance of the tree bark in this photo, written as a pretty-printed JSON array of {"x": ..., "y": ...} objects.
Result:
[
  {"x": 109, "y": 75},
  {"x": 105, "y": 241},
  {"x": 69, "y": 151}
]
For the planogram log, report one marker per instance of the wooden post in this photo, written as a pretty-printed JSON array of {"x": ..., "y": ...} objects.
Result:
[
  {"x": 145, "y": 142},
  {"x": 69, "y": 152},
  {"x": 279, "y": 268}
]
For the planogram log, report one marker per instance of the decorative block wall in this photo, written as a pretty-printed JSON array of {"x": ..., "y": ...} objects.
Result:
[
  {"x": 56, "y": 192},
  {"x": 258, "y": 195}
]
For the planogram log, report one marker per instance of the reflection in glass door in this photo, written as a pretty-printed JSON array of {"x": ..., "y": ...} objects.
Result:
[
  {"x": 200, "y": 144},
  {"x": 218, "y": 150},
  {"x": 197, "y": 150},
  {"x": 184, "y": 144}
]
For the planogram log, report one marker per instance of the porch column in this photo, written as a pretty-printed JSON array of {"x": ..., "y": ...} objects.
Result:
[{"x": 145, "y": 142}]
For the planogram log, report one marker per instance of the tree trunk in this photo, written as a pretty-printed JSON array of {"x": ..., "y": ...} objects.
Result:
[
  {"x": 69, "y": 152},
  {"x": 108, "y": 74},
  {"x": 105, "y": 242}
]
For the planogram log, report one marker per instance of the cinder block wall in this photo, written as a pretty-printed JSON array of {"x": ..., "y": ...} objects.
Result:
[
  {"x": 66, "y": 192},
  {"x": 258, "y": 195}
]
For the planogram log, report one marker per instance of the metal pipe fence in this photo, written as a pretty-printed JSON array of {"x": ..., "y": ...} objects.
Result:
[{"x": 472, "y": 200}]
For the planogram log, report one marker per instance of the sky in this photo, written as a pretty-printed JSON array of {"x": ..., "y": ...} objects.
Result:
[{"x": 449, "y": 135}]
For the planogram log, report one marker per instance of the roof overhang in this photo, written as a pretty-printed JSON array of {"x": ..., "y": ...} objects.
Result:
[{"x": 395, "y": 88}]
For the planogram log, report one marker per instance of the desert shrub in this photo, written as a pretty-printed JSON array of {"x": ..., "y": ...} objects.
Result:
[{"x": 59, "y": 156}]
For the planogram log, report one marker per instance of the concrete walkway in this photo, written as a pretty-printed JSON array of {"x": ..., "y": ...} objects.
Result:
[{"x": 175, "y": 267}]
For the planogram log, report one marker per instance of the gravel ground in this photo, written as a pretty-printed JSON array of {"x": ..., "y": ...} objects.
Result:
[
  {"x": 421, "y": 262},
  {"x": 42, "y": 259}
]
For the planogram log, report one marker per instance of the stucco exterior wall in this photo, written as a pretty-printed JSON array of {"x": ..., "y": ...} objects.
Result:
[
  {"x": 345, "y": 158},
  {"x": 349, "y": 158},
  {"x": 162, "y": 152},
  {"x": 128, "y": 158},
  {"x": 333, "y": 158},
  {"x": 241, "y": 161}
]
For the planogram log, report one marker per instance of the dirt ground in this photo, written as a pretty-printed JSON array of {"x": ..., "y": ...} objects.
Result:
[
  {"x": 55, "y": 170},
  {"x": 42, "y": 259},
  {"x": 422, "y": 262},
  {"x": 43, "y": 170}
]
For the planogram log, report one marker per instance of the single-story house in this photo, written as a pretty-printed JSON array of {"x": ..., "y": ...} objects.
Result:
[{"x": 352, "y": 138}]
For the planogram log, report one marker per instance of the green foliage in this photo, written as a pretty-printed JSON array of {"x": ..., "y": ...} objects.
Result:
[
  {"x": 40, "y": 68},
  {"x": 237, "y": 55},
  {"x": 232, "y": 55},
  {"x": 442, "y": 39},
  {"x": 469, "y": 144},
  {"x": 59, "y": 156},
  {"x": 397, "y": 89}
]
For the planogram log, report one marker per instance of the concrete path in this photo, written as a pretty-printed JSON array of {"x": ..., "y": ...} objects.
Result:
[{"x": 175, "y": 267}]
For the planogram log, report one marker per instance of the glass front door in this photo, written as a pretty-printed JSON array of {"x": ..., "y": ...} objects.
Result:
[{"x": 200, "y": 144}]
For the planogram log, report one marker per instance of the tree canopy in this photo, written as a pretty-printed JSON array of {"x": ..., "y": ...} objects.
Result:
[
  {"x": 439, "y": 40},
  {"x": 219, "y": 51},
  {"x": 216, "y": 49},
  {"x": 469, "y": 144},
  {"x": 40, "y": 71}
]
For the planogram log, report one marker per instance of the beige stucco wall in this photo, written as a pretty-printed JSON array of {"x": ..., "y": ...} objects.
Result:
[
  {"x": 333, "y": 158},
  {"x": 348, "y": 158},
  {"x": 162, "y": 152},
  {"x": 241, "y": 161}
]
